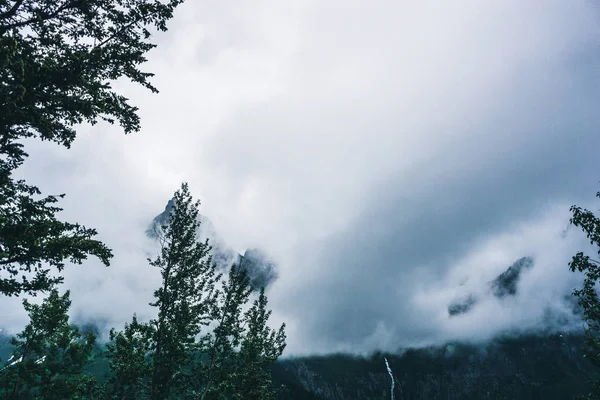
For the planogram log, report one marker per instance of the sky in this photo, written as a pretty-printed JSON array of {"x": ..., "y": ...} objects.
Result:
[{"x": 390, "y": 156}]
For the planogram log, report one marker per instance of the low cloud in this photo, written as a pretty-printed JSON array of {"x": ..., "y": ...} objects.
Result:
[{"x": 383, "y": 156}]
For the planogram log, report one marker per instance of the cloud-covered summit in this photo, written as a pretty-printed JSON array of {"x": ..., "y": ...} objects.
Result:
[
  {"x": 503, "y": 285},
  {"x": 261, "y": 270},
  {"x": 506, "y": 283}
]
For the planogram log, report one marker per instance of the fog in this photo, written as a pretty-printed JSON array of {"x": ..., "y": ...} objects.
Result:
[{"x": 389, "y": 157}]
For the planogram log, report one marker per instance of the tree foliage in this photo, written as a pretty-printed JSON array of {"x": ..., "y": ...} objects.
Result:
[
  {"x": 49, "y": 355},
  {"x": 187, "y": 295},
  {"x": 58, "y": 61},
  {"x": 588, "y": 294},
  {"x": 131, "y": 369},
  {"x": 208, "y": 341}
]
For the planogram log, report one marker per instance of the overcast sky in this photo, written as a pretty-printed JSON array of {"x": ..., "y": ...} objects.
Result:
[{"x": 389, "y": 155}]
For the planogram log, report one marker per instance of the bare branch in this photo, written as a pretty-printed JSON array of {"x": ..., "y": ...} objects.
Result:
[
  {"x": 43, "y": 15},
  {"x": 13, "y": 10}
]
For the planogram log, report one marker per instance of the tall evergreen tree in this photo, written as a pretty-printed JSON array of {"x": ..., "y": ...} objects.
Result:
[
  {"x": 184, "y": 305},
  {"x": 215, "y": 378},
  {"x": 240, "y": 347},
  {"x": 187, "y": 296},
  {"x": 58, "y": 59},
  {"x": 260, "y": 347},
  {"x": 49, "y": 355}
]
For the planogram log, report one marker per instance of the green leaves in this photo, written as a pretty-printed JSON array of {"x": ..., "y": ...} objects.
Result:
[
  {"x": 50, "y": 355},
  {"x": 588, "y": 294},
  {"x": 62, "y": 56},
  {"x": 261, "y": 346},
  {"x": 186, "y": 297},
  {"x": 58, "y": 59},
  {"x": 210, "y": 339},
  {"x": 34, "y": 243},
  {"x": 128, "y": 354}
]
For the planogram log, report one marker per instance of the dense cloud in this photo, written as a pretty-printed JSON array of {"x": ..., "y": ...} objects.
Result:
[{"x": 389, "y": 157}]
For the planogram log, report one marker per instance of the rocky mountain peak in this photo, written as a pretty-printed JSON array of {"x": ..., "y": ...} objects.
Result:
[
  {"x": 502, "y": 286},
  {"x": 261, "y": 270}
]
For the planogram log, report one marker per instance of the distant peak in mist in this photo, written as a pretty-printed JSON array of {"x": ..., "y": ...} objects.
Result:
[
  {"x": 502, "y": 286},
  {"x": 262, "y": 271},
  {"x": 506, "y": 283}
]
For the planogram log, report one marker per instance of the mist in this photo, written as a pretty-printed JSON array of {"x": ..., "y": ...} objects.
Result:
[{"x": 389, "y": 158}]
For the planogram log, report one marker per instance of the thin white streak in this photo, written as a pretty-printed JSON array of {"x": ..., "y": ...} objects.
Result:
[
  {"x": 14, "y": 362},
  {"x": 391, "y": 375}
]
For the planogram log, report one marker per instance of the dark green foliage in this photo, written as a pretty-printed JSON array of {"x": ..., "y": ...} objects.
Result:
[
  {"x": 202, "y": 344},
  {"x": 217, "y": 376},
  {"x": 588, "y": 294},
  {"x": 58, "y": 59},
  {"x": 517, "y": 368},
  {"x": 127, "y": 354},
  {"x": 261, "y": 347},
  {"x": 49, "y": 356},
  {"x": 33, "y": 241},
  {"x": 524, "y": 368},
  {"x": 240, "y": 347},
  {"x": 187, "y": 296}
]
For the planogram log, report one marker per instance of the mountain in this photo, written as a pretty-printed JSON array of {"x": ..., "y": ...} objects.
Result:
[
  {"x": 502, "y": 286},
  {"x": 261, "y": 270},
  {"x": 462, "y": 306},
  {"x": 506, "y": 283}
]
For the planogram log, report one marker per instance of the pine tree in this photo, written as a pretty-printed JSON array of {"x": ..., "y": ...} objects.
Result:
[
  {"x": 187, "y": 296},
  {"x": 261, "y": 346},
  {"x": 49, "y": 355},
  {"x": 184, "y": 302},
  {"x": 216, "y": 377},
  {"x": 57, "y": 61},
  {"x": 241, "y": 346}
]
